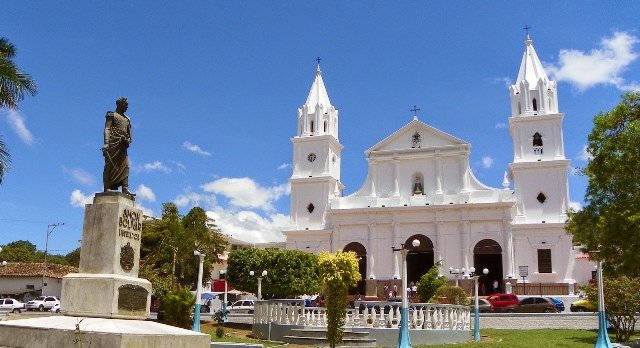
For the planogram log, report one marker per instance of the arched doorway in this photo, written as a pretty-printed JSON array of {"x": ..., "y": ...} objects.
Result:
[
  {"x": 361, "y": 251},
  {"x": 419, "y": 260},
  {"x": 488, "y": 254}
]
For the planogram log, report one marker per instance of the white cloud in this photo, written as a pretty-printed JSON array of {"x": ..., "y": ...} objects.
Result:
[
  {"x": 250, "y": 226},
  {"x": 284, "y": 166},
  {"x": 192, "y": 199},
  {"x": 79, "y": 175},
  {"x": 507, "y": 82},
  {"x": 79, "y": 199},
  {"x": 145, "y": 211},
  {"x": 17, "y": 123},
  {"x": 145, "y": 193},
  {"x": 500, "y": 125},
  {"x": 181, "y": 167},
  {"x": 246, "y": 193},
  {"x": 487, "y": 161},
  {"x": 602, "y": 65},
  {"x": 584, "y": 155},
  {"x": 575, "y": 206},
  {"x": 195, "y": 148},
  {"x": 155, "y": 166}
]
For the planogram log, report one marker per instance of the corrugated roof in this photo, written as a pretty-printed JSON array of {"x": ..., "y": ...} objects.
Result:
[{"x": 35, "y": 269}]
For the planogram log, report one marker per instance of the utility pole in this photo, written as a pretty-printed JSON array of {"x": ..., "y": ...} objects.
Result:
[{"x": 50, "y": 229}]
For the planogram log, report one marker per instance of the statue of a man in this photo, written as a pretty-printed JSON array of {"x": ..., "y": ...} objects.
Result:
[
  {"x": 417, "y": 187},
  {"x": 117, "y": 137}
]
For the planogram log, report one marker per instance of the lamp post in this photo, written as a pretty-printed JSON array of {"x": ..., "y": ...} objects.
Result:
[
  {"x": 196, "y": 314},
  {"x": 264, "y": 274},
  {"x": 457, "y": 272},
  {"x": 603, "y": 338},
  {"x": 476, "y": 310},
  {"x": 50, "y": 229},
  {"x": 223, "y": 275},
  {"x": 404, "y": 341}
]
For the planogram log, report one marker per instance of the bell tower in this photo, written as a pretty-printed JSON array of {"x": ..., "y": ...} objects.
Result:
[
  {"x": 539, "y": 168},
  {"x": 316, "y": 159}
]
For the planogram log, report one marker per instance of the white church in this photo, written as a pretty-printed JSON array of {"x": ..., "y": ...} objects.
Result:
[{"x": 420, "y": 186}]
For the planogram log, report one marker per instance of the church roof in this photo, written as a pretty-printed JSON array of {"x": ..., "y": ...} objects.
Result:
[
  {"x": 531, "y": 69},
  {"x": 318, "y": 93},
  {"x": 428, "y": 137}
]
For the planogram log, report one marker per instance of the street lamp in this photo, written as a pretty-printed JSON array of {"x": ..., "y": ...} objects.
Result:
[
  {"x": 50, "y": 229},
  {"x": 603, "y": 338},
  {"x": 457, "y": 273},
  {"x": 196, "y": 314},
  {"x": 264, "y": 274},
  {"x": 404, "y": 341},
  {"x": 476, "y": 315},
  {"x": 223, "y": 275}
]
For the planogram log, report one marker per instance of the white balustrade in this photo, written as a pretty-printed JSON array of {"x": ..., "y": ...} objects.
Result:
[{"x": 370, "y": 314}]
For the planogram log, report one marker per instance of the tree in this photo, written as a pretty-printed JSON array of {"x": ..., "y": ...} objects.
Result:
[
  {"x": 452, "y": 295},
  {"x": 610, "y": 221},
  {"x": 289, "y": 272},
  {"x": 430, "y": 282},
  {"x": 21, "y": 251},
  {"x": 167, "y": 247},
  {"x": 73, "y": 258},
  {"x": 13, "y": 85},
  {"x": 622, "y": 302},
  {"x": 338, "y": 272}
]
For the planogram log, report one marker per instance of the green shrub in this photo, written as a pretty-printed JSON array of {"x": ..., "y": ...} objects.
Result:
[
  {"x": 219, "y": 331},
  {"x": 178, "y": 308},
  {"x": 430, "y": 282},
  {"x": 452, "y": 295}
]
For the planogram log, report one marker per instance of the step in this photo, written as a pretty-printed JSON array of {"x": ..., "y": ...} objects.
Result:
[
  {"x": 351, "y": 342},
  {"x": 323, "y": 333}
]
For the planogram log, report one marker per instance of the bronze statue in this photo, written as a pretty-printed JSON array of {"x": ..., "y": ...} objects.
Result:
[{"x": 117, "y": 137}]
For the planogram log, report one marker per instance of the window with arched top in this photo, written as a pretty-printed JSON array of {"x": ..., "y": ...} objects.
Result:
[
  {"x": 535, "y": 104},
  {"x": 311, "y": 128},
  {"x": 537, "y": 144}
]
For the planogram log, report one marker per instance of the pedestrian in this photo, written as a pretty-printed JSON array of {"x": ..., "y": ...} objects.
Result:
[
  {"x": 414, "y": 290},
  {"x": 385, "y": 290},
  {"x": 395, "y": 290},
  {"x": 496, "y": 286},
  {"x": 483, "y": 289}
]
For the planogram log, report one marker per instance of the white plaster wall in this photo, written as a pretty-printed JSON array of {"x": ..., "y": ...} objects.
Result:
[
  {"x": 302, "y": 194},
  {"x": 12, "y": 285},
  {"x": 551, "y": 182},
  {"x": 550, "y": 127},
  {"x": 526, "y": 245}
]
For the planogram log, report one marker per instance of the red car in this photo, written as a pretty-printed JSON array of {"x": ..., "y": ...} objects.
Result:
[{"x": 503, "y": 302}]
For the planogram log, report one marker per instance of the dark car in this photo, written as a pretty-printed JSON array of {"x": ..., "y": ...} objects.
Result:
[
  {"x": 559, "y": 304},
  {"x": 536, "y": 305},
  {"x": 503, "y": 302}
]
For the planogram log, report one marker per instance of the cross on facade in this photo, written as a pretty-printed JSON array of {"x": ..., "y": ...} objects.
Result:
[
  {"x": 318, "y": 60},
  {"x": 415, "y": 110}
]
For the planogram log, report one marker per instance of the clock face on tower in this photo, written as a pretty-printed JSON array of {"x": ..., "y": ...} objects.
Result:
[{"x": 311, "y": 157}]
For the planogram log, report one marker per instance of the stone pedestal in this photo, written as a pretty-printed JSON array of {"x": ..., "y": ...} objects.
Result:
[{"x": 108, "y": 285}]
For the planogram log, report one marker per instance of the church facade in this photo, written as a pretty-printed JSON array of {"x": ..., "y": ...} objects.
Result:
[{"x": 420, "y": 186}]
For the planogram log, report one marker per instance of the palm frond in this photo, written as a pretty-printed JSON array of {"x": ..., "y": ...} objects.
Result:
[{"x": 5, "y": 160}]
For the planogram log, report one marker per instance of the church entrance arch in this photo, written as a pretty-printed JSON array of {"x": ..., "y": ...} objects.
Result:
[
  {"x": 361, "y": 251},
  {"x": 420, "y": 259},
  {"x": 488, "y": 254}
]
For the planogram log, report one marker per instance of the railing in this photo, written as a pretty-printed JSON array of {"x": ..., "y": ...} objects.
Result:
[
  {"x": 367, "y": 314},
  {"x": 541, "y": 289},
  {"x": 537, "y": 150}
]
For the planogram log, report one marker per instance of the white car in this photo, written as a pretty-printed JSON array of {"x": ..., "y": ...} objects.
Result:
[
  {"x": 241, "y": 306},
  {"x": 42, "y": 302},
  {"x": 11, "y": 305},
  {"x": 55, "y": 308}
]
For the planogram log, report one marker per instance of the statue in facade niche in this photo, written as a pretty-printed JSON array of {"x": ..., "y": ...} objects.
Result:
[
  {"x": 117, "y": 138},
  {"x": 417, "y": 187}
]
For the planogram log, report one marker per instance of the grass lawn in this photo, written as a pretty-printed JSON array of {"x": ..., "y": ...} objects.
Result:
[
  {"x": 531, "y": 338},
  {"x": 490, "y": 338}
]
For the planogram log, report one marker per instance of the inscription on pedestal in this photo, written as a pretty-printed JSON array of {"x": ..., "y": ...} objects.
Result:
[{"x": 132, "y": 297}]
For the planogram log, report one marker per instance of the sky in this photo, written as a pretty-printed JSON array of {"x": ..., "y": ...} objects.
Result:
[{"x": 214, "y": 88}]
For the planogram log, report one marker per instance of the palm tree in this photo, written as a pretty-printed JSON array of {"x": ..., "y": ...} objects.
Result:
[{"x": 13, "y": 85}]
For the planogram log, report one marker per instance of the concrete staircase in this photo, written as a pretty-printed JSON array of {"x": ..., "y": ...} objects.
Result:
[{"x": 317, "y": 337}]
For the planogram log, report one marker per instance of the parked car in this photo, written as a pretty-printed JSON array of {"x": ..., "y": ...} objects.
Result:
[
  {"x": 484, "y": 306},
  {"x": 583, "y": 305},
  {"x": 242, "y": 306},
  {"x": 42, "y": 302},
  {"x": 503, "y": 302},
  {"x": 55, "y": 308},
  {"x": 536, "y": 305},
  {"x": 11, "y": 305},
  {"x": 559, "y": 304}
]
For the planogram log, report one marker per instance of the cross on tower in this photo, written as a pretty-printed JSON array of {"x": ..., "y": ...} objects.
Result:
[
  {"x": 526, "y": 29},
  {"x": 318, "y": 60},
  {"x": 415, "y": 110}
]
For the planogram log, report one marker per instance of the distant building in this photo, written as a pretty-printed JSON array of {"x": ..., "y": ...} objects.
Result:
[
  {"x": 420, "y": 186},
  {"x": 27, "y": 280}
]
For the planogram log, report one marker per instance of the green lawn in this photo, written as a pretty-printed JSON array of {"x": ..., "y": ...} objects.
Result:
[{"x": 531, "y": 338}]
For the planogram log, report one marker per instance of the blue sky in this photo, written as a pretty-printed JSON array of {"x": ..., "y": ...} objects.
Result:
[{"x": 213, "y": 89}]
